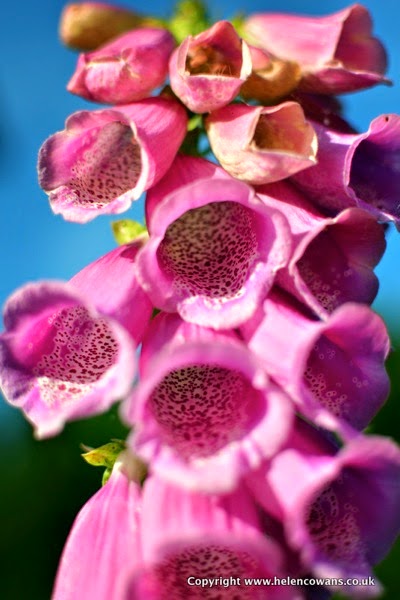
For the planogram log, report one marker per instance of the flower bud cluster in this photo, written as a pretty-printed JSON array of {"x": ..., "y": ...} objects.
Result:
[{"x": 261, "y": 361}]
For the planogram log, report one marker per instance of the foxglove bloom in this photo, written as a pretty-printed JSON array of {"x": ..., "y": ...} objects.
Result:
[
  {"x": 337, "y": 53},
  {"x": 204, "y": 412},
  {"x": 260, "y": 144},
  {"x": 126, "y": 69},
  {"x": 111, "y": 284},
  {"x": 328, "y": 506},
  {"x": 357, "y": 169},
  {"x": 187, "y": 536},
  {"x": 206, "y": 71},
  {"x": 333, "y": 258},
  {"x": 105, "y": 159},
  {"x": 333, "y": 369},
  {"x": 213, "y": 252},
  {"x": 104, "y": 540},
  {"x": 61, "y": 359}
]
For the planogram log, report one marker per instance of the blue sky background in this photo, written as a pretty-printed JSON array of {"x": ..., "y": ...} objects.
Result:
[{"x": 34, "y": 103}]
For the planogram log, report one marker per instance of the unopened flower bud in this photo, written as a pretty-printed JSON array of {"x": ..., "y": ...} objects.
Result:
[
  {"x": 88, "y": 25},
  {"x": 271, "y": 80}
]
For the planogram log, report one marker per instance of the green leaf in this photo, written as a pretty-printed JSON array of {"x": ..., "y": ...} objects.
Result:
[
  {"x": 190, "y": 18},
  {"x": 104, "y": 456},
  {"x": 126, "y": 231}
]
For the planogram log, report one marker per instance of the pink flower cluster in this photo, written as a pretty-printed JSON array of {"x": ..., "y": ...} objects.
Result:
[{"x": 263, "y": 362}]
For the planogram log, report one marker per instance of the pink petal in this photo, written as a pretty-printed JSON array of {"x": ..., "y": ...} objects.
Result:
[
  {"x": 105, "y": 159},
  {"x": 206, "y": 71},
  {"x": 337, "y": 52},
  {"x": 332, "y": 258},
  {"x": 262, "y": 144},
  {"x": 193, "y": 263},
  {"x": 356, "y": 169},
  {"x": 126, "y": 69},
  {"x": 103, "y": 542},
  {"x": 111, "y": 284},
  {"x": 204, "y": 412},
  {"x": 333, "y": 369},
  {"x": 60, "y": 358}
]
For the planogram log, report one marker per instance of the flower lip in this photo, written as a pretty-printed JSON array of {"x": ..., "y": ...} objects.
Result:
[
  {"x": 105, "y": 159},
  {"x": 96, "y": 163},
  {"x": 205, "y": 413},
  {"x": 60, "y": 358}
]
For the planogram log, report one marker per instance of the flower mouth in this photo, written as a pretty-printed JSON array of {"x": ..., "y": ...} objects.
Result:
[
  {"x": 284, "y": 130},
  {"x": 206, "y": 60},
  {"x": 109, "y": 166},
  {"x": 214, "y": 562},
  {"x": 202, "y": 408},
  {"x": 74, "y": 354},
  {"x": 331, "y": 521},
  {"x": 210, "y": 250}
]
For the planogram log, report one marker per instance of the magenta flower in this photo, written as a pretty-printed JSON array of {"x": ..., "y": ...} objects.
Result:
[
  {"x": 104, "y": 541},
  {"x": 328, "y": 506},
  {"x": 333, "y": 258},
  {"x": 61, "y": 359},
  {"x": 213, "y": 252},
  {"x": 187, "y": 535},
  {"x": 357, "y": 169},
  {"x": 126, "y": 69},
  {"x": 111, "y": 284},
  {"x": 337, "y": 53},
  {"x": 204, "y": 413},
  {"x": 333, "y": 369},
  {"x": 260, "y": 144},
  {"x": 206, "y": 71},
  {"x": 105, "y": 159}
]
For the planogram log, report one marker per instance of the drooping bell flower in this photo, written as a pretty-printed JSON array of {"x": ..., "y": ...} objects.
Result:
[
  {"x": 188, "y": 536},
  {"x": 271, "y": 79},
  {"x": 111, "y": 284},
  {"x": 127, "y": 69},
  {"x": 337, "y": 53},
  {"x": 357, "y": 169},
  {"x": 260, "y": 144},
  {"x": 104, "y": 541},
  {"x": 333, "y": 258},
  {"x": 60, "y": 358},
  {"x": 213, "y": 252},
  {"x": 339, "y": 511},
  {"x": 87, "y": 25},
  {"x": 204, "y": 412},
  {"x": 334, "y": 369},
  {"x": 105, "y": 159},
  {"x": 206, "y": 71}
]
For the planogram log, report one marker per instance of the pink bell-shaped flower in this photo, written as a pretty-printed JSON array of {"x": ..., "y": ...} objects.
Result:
[
  {"x": 61, "y": 358},
  {"x": 337, "y": 53},
  {"x": 126, "y": 69},
  {"x": 260, "y": 144},
  {"x": 105, "y": 159},
  {"x": 206, "y": 71}
]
